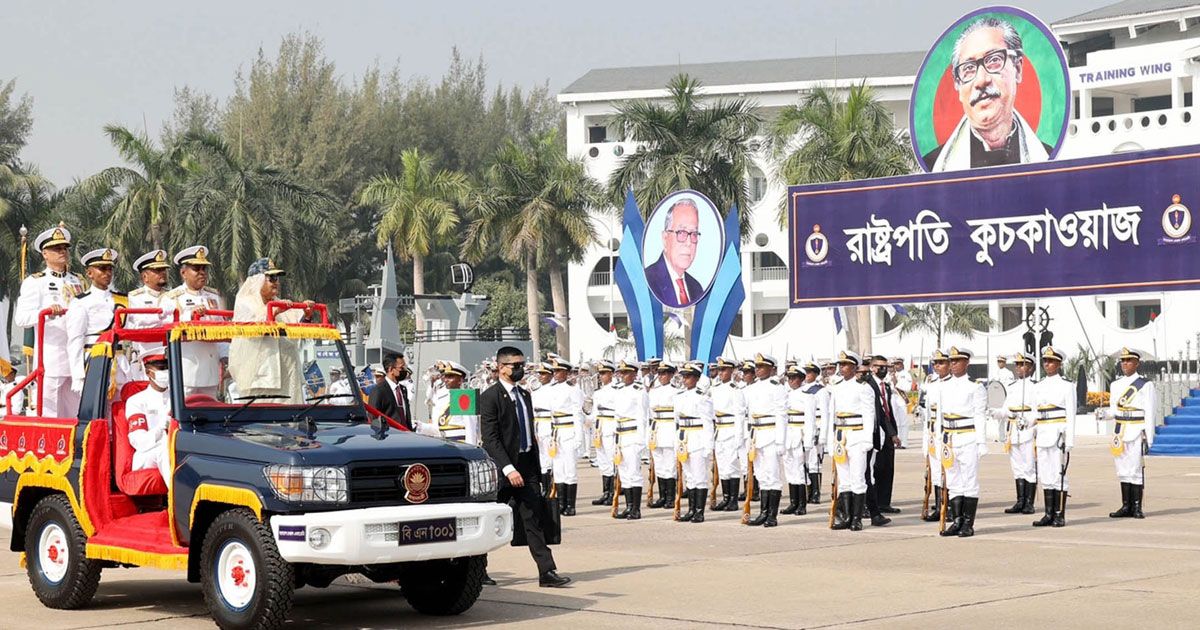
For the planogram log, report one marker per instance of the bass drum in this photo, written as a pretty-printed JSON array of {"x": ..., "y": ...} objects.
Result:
[{"x": 996, "y": 395}]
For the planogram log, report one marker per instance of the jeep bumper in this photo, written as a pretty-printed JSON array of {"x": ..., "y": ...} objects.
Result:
[{"x": 373, "y": 535}]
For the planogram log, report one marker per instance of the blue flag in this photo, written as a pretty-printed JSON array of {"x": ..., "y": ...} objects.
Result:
[{"x": 314, "y": 380}]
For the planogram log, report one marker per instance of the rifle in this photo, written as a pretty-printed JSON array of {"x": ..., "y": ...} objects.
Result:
[
  {"x": 749, "y": 488},
  {"x": 712, "y": 499},
  {"x": 616, "y": 494},
  {"x": 945, "y": 502},
  {"x": 833, "y": 497},
  {"x": 928, "y": 487},
  {"x": 1062, "y": 472},
  {"x": 650, "y": 481},
  {"x": 678, "y": 488}
]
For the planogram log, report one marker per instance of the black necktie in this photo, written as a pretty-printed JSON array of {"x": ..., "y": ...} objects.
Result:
[{"x": 516, "y": 396}]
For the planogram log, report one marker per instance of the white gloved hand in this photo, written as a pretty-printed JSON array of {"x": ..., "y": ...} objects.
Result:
[{"x": 77, "y": 386}]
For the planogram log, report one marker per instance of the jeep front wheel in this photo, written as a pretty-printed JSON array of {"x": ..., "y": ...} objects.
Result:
[
  {"x": 246, "y": 583},
  {"x": 443, "y": 587},
  {"x": 55, "y": 559}
]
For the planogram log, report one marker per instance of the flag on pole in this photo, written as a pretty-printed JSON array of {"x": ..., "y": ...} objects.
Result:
[
  {"x": 462, "y": 402},
  {"x": 314, "y": 380}
]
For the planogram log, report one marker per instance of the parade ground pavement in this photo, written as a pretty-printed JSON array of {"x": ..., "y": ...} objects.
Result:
[{"x": 656, "y": 573}]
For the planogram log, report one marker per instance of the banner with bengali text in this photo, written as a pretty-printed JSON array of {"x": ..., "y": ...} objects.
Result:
[{"x": 1113, "y": 224}]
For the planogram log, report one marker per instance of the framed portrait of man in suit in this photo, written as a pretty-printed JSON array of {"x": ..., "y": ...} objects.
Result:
[{"x": 682, "y": 248}]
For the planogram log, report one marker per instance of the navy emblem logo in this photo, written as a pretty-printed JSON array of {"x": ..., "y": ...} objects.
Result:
[
  {"x": 1176, "y": 219},
  {"x": 816, "y": 246}
]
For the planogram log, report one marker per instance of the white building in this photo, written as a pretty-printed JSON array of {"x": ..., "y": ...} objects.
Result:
[{"x": 1133, "y": 70}]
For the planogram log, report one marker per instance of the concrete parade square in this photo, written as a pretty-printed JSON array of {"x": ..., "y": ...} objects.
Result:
[{"x": 656, "y": 573}]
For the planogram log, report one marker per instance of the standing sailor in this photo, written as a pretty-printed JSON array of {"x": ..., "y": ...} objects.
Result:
[
  {"x": 604, "y": 429},
  {"x": 746, "y": 378},
  {"x": 54, "y": 288},
  {"x": 203, "y": 362},
  {"x": 566, "y": 435},
  {"x": 152, "y": 268},
  {"x": 1134, "y": 409},
  {"x": 456, "y": 428},
  {"x": 92, "y": 313},
  {"x": 1055, "y": 398},
  {"x": 694, "y": 419},
  {"x": 1021, "y": 423},
  {"x": 543, "y": 399},
  {"x": 960, "y": 422},
  {"x": 662, "y": 434},
  {"x": 801, "y": 418},
  {"x": 816, "y": 453},
  {"x": 931, "y": 395},
  {"x": 729, "y": 407},
  {"x": 766, "y": 407},
  {"x": 631, "y": 406},
  {"x": 850, "y": 425}
]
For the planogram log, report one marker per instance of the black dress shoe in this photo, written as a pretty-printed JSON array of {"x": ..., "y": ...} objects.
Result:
[
  {"x": 552, "y": 579},
  {"x": 880, "y": 520},
  {"x": 488, "y": 581},
  {"x": 889, "y": 510}
]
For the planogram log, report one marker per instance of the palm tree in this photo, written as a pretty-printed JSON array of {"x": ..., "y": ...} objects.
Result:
[
  {"x": 145, "y": 193},
  {"x": 26, "y": 200},
  {"x": 947, "y": 318},
  {"x": 418, "y": 210},
  {"x": 535, "y": 210},
  {"x": 244, "y": 211},
  {"x": 827, "y": 139},
  {"x": 686, "y": 144}
]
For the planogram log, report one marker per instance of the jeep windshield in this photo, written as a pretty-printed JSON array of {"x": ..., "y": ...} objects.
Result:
[{"x": 264, "y": 373}]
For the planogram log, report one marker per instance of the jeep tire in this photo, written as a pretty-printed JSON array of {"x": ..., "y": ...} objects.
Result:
[
  {"x": 55, "y": 556},
  {"x": 443, "y": 587},
  {"x": 246, "y": 583}
]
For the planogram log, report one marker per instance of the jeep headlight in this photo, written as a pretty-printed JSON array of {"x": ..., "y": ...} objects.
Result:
[
  {"x": 482, "y": 476},
  {"x": 309, "y": 484}
]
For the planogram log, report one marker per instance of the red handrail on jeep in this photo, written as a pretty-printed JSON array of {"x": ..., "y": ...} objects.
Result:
[
  {"x": 275, "y": 307},
  {"x": 37, "y": 371}
]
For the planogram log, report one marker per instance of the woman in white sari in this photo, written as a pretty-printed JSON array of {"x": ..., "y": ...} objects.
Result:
[{"x": 265, "y": 366}]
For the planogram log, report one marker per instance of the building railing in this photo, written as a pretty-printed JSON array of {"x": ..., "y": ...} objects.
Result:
[
  {"x": 770, "y": 273},
  {"x": 476, "y": 334},
  {"x": 599, "y": 279},
  {"x": 1136, "y": 123}
]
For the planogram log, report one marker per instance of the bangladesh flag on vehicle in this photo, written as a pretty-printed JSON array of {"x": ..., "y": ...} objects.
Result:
[{"x": 462, "y": 402}]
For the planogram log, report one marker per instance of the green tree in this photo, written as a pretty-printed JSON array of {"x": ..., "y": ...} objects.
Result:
[
  {"x": 245, "y": 210},
  {"x": 26, "y": 198},
  {"x": 419, "y": 210},
  {"x": 143, "y": 194},
  {"x": 686, "y": 144},
  {"x": 954, "y": 318},
  {"x": 826, "y": 138},
  {"x": 533, "y": 209}
]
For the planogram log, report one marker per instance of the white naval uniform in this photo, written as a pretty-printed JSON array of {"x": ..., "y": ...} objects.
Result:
[
  {"x": 604, "y": 423},
  {"x": 694, "y": 422},
  {"x": 18, "y": 400},
  {"x": 201, "y": 360},
  {"x": 148, "y": 413},
  {"x": 729, "y": 407},
  {"x": 801, "y": 424},
  {"x": 566, "y": 432},
  {"x": 340, "y": 388},
  {"x": 40, "y": 291},
  {"x": 901, "y": 388},
  {"x": 89, "y": 315},
  {"x": 443, "y": 425},
  {"x": 930, "y": 441},
  {"x": 1055, "y": 405},
  {"x": 820, "y": 395},
  {"x": 543, "y": 400},
  {"x": 142, "y": 297},
  {"x": 1134, "y": 408},
  {"x": 1020, "y": 417},
  {"x": 766, "y": 411},
  {"x": 962, "y": 412},
  {"x": 631, "y": 406},
  {"x": 662, "y": 430},
  {"x": 850, "y": 422}
]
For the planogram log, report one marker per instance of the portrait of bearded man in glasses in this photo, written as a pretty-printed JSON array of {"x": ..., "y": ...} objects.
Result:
[
  {"x": 668, "y": 276},
  {"x": 986, "y": 67}
]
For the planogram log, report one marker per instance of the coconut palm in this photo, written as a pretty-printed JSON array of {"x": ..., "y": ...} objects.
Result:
[
  {"x": 26, "y": 200},
  {"x": 244, "y": 211},
  {"x": 828, "y": 139},
  {"x": 419, "y": 210},
  {"x": 534, "y": 210},
  {"x": 144, "y": 193},
  {"x": 939, "y": 320},
  {"x": 686, "y": 144}
]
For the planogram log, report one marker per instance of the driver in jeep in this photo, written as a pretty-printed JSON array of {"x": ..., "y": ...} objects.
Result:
[{"x": 149, "y": 416}]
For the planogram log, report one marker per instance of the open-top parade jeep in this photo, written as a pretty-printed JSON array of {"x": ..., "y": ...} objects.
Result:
[{"x": 265, "y": 496}]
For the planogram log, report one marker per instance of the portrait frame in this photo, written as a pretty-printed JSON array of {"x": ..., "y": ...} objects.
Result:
[{"x": 709, "y": 248}]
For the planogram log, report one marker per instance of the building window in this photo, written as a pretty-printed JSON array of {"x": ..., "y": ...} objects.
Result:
[
  {"x": 758, "y": 184},
  {"x": 766, "y": 322},
  {"x": 1013, "y": 315},
  {"x": 1137, "y": 313},
  {"x": 597, "y": 134},
  {"x": 602, "y": 273},
  {"x": 884, "y": 322},
  {"x": 768, "y": 266}
]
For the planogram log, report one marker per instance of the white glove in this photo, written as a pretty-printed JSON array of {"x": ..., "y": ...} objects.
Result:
[{"x": 77, "y": 386}]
